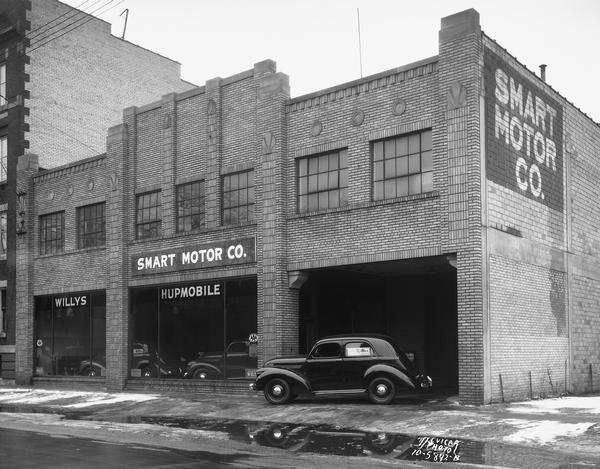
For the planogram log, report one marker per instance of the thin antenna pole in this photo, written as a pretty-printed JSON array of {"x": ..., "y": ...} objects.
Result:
[
  {"x": 126, "y": 11},
  {"x": 359, "y": 42}
]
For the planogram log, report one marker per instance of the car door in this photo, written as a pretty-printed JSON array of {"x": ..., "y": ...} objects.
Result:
[
  {"x": 322, "y": 367},
  {"x": 358, "y": 356}
]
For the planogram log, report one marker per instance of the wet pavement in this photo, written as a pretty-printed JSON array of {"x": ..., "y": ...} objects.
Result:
[{"x": 558, "y": 433}]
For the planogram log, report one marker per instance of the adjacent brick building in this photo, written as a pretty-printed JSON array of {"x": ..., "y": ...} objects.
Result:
[
  {"x": 448, "y": 203},
  {"x": 64, "y": 79}
]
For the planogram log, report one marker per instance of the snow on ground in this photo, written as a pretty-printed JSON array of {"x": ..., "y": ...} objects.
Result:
[
  {"x": 543, "y": 431},
  {"x": 577, "y": 404},
  {"x": 85, "y": 398}
]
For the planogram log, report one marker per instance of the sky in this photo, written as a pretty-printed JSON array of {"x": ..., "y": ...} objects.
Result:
[{"x": 316, "y": 42}]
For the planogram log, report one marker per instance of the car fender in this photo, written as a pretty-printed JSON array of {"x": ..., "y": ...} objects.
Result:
[
  {"x": 389, "y": 370},
  {"x": 205, "y": 365},
  {"x": 265, "y": 374}
]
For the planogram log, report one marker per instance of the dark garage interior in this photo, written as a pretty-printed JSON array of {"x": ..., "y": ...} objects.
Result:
[{"x": 412, "y": 301}]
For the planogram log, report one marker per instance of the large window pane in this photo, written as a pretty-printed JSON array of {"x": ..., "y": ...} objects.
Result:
[
  {"x": 238, "y": 198},
  {"x": 407, "y": 161},
  {"x": 148, "y": 215},
  {"x": 327, "y": 183}
]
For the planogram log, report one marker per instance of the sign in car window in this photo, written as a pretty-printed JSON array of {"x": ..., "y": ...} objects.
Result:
[{"x": 358, "y": 350}]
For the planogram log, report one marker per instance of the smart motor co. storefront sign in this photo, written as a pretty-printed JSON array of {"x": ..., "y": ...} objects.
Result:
[
  {"x": 524, "y": 137},
  {"x": 216, "y": 254}
]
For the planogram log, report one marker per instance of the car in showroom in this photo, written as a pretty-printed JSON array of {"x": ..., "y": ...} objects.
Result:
[
  {"x": 342, "y": 364},
  {"x": 238, "y": 361}
]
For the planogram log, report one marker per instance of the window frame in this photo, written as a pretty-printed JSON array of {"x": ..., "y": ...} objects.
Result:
[
  {"x": 98, "y": 237},
  {"x": 322, "y": 181},
  {"x": 181, "y": 218},
  {"x": 244, "y": 196},
  {"x": 399, "y": 165},
  {"x": 3, "y": 97},
  {"x": 51, "y": 245},
  {"x": 150, "y": 222},
  {"x": 3, "y": 158}
]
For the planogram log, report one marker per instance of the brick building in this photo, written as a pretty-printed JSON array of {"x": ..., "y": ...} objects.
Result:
[
  {"x": 448, "y": 203},
  {"x": 64, "y": 79}
]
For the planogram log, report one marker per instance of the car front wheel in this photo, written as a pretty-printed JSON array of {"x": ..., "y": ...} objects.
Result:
[
  {"x": 277, "y": 391},
  {"x": 381, "y": 390}
]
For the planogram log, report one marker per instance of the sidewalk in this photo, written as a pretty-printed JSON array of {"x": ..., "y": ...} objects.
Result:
[{"x": 570, "y": 425}]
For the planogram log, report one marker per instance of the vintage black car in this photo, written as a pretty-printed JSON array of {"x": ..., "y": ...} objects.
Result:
[{"x": 342, "y": 364}]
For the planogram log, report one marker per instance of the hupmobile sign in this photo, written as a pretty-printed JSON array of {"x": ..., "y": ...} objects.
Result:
[
  {"x": 524, "y": 136},
  {"x": 216, "y": 254}
]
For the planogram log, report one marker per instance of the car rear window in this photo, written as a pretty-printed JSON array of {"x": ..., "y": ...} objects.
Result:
[{"x": 358, "y": 349}]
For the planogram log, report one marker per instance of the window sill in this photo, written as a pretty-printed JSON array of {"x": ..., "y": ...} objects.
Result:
[
  {"x": 371, "y": 204},
  {"x": 183, "y": 234},
  {"x": 70, "y": 253}
]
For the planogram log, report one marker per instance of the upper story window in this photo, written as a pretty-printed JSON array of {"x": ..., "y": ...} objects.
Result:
[
  {"x": 148, "y": 215},
  {"x": 238, "y": 198},
  {"x": 3, "y": 232},
  {"x": 323, "y": 181},
  {"x": 91, "y": 226},
  {"x": 190, "y": 206},
  {"x": 402, "y": 166},
  {"x": 52, "y": 233},
  {"x": 3, "y": 84},
  {"x": 3, "y": 157}
]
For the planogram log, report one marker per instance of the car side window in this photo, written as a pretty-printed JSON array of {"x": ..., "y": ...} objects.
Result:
[
  {"x": 358, "y": 349},
  {"x": 327, "y": 350}
]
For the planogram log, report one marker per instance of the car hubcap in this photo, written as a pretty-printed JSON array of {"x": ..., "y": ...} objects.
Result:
[
  {"x": 277, "y": 390},
  {"x": 202, "y": 375},
  {"x": 277, "y": 433},
  {"x": 381, "y": 390}
]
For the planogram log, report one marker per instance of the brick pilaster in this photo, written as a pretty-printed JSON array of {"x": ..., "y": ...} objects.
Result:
[
  {"x": 457, "y": 130},
  {"x": 27, "y": 167},
  {"x": 169, "y": 119},
  {"x": 278, "y": 304},
  {"x": 118, "y": 209},
  {"x": 213, "y": 153}
]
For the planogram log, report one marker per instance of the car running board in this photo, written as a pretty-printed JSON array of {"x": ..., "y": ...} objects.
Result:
[{"x": 340, "y": 391}]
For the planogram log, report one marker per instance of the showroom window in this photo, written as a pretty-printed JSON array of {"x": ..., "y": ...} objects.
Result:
[
  {"x": 70, "y": 334},
  {"x": 238, "y": 198},
  {"x": 52, "y": 233},
  {"x": 91, "y": 226},
  {"x": 323, "y": 181},
  {"x": 190, "y": 206},
  {"x": 402, "y": 166},
  {"x": 148, "y": 215},
  {"x": 200, "y": 330}
]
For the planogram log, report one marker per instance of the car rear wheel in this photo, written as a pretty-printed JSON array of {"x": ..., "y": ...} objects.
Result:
[
  {"x": 203, "y": 373},
  {"x": 381, "y": 390},
  {"x": 277, "y": 391}
]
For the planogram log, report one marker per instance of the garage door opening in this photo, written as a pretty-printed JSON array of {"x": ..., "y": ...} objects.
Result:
[{"x": 414, "y": 302}]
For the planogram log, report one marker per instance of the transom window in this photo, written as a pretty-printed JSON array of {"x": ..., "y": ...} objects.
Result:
[
  {"x": 323, "y": 181},
  {"x": 52, "y": 233},
  {"x": 190, "y": 206},
  {"x": 91, "y": 227},
  {"x": 402, "y": 166},
  {"x": 148, "y": 215},
  {"x": 238, "y": 198}
]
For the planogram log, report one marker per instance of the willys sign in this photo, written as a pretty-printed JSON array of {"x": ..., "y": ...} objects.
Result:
[
  {"x": 524, "y": 134},
  {"x": 216, "y": 254}
]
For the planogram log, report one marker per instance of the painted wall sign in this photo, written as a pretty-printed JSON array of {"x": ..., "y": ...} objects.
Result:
[
  {"x": 524, "y": 134},
  {"x": 66, "y": 301},
  {"x": 216, "y": 254}
]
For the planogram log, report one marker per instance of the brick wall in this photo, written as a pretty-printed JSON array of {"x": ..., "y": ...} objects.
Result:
[
  {"x": 544, "y": 269},
  {"x": 81, "y": 81}
]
